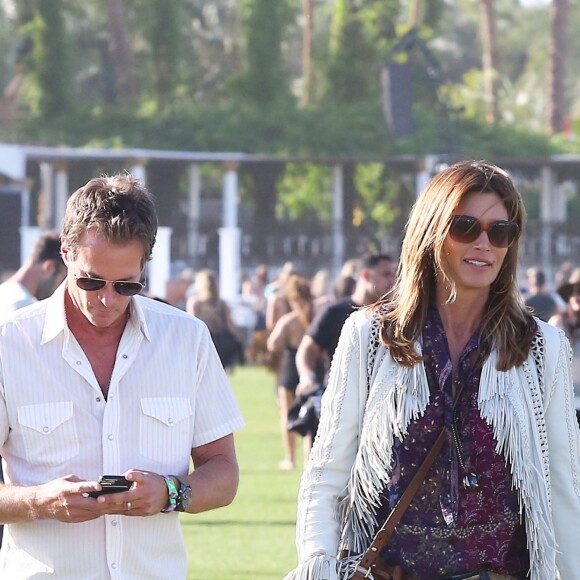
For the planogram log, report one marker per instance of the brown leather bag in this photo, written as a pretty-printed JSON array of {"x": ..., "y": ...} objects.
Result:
[
  {"x": 381, "y": 571},
  {"x": 371, "y": 565}
]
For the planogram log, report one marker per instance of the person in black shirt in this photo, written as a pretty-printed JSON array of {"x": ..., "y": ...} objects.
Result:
[
  {"x": 541, "y": 302},
  {"x": 375, "y": 279}
]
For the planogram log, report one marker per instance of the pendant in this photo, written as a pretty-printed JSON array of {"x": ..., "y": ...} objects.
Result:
[{"x": 470, "y": 481}]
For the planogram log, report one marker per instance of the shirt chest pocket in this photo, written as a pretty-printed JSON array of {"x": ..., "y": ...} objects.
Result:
[
  {"x": 166, "y": 428},
  {"x": 49, "y": 432}
]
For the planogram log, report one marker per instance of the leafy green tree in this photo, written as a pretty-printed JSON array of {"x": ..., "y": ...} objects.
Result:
[
  {"x": 50, "y": 57},
  {"x": 304, "y": 190},
  {"x": 211, "y": 49},
  {"x": 363, "y": 33},
  {"x": 490, "y": 58},
  {"x": 383, "y": 204},
  {"x": 127, "y": 88},
  {"x": 433, "y": 12},
  {"x": 165, "y": 29},
  {"x": 557, "y": 70},
  {"x": 263, "y": 79}
]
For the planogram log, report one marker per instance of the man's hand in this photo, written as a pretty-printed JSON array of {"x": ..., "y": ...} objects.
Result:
[
  {"x": 66, "y": 499},
  {"x": 63, "y": 499},
  {"x": 147, "y": 497}
]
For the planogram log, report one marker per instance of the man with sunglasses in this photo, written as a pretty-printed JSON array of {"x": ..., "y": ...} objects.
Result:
[{"x": 98, "y": 380}]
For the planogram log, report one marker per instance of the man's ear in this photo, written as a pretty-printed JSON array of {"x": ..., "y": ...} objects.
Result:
[
  {"x": 48, "y": 267},
  {"x": 65, "y": 252}
]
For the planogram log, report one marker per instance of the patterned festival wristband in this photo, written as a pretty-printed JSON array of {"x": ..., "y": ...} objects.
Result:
[{"x": 173, "y": 495}]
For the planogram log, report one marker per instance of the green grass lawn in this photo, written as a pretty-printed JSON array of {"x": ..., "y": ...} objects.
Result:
[{"x": 253, "y": 538}]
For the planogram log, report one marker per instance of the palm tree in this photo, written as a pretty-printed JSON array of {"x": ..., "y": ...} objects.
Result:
[
  {"x": 121, "y": 53},
  {"x": 490, "y": 59},
  {"x": 307, "y": 50},
  {"x": 557, "y": 66}
]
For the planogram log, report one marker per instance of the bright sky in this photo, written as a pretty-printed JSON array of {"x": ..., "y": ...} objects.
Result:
[
  {"x": 534, "y": 3},
  {"x": 9, "y": 7}
]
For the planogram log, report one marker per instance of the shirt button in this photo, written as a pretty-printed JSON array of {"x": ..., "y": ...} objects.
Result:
[
  {"x": 170, "y": 421},
  {"x": 114, "y": 523},
  {"x": 79, "y": 362},
  {"x": 45, "y": 429},
  {"x": 125, "y": 356},
  {"x": 111, "y": 437},
  {"x": 98, "y": 399},
  {"x": 114, "y": 566}
]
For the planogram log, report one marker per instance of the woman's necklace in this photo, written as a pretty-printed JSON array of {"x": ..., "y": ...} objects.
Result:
[{"x": 470, "y": 481}]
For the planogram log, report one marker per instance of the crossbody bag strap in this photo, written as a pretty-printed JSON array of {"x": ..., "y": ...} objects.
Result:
[
  {"x": 383, "y": 535},
  {"x": 385, "y": 532}
]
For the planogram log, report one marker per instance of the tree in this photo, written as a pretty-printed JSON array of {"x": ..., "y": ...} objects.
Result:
[
  {"x": 16, "y": 49},
  {"x": 165, "y": 30},
  {"x": 122, "y": 53},
  {"x": 307, "y": 50},
  {"x": 211, "y": 51},
  {"x": 362, "y": 38},
  {"x": 263, "y": 79},
  {"x": 489, "y": 59},
  {"x": 557, "y": 66},
  {"x": 50, "y": 57}
]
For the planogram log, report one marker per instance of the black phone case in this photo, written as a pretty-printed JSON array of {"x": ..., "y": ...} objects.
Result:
[{"x": 111, "y": 484}]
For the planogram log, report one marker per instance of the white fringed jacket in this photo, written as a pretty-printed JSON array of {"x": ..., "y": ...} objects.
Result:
[{"x": 531, "y": 411}]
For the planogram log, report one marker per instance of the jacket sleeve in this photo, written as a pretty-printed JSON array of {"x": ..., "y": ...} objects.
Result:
[
  {"x": 324, "y": 481},
  {"x": 563, "y": 443}
]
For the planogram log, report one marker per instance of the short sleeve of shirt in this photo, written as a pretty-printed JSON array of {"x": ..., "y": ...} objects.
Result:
[{"x": 217, "y": 412}]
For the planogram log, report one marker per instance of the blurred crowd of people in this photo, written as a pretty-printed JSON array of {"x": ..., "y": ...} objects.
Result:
[
  {"x": 560, "y": 308},
  {"x": 290, "y": 322},
  {"x": 303, "y": 320}
]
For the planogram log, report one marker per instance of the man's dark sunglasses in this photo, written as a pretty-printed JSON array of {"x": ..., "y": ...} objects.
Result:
[
  {"x": 466, "y": 229},
  {"x": 123, "y": 288}
]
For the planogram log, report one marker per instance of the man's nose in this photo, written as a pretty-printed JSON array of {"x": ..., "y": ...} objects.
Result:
[{"x": 108, "y": 295}]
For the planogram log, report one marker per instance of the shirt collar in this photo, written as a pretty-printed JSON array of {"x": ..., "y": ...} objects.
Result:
[
  {"x": 138, "y": 315},
  {"x": 55, "y": 321}
]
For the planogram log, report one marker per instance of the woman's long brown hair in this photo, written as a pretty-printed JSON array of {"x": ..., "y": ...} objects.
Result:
[
  {"x": 297, "y": 292},
  {"x": 507, "y": 325}
]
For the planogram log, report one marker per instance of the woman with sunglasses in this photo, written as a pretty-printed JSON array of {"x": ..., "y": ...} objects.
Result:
[{"x": 450, "y": 354}]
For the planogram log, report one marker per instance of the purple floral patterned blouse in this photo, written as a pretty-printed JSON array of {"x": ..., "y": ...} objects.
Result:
[{"x": 450, "y": 528}]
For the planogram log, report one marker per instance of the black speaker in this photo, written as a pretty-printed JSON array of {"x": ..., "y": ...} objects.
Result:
[
  {"x": 398, "y": 99},
  {"x": 9, "y": 230}
]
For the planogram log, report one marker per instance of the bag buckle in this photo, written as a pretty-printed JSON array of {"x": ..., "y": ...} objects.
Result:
[{"x": 366, "y": 572}]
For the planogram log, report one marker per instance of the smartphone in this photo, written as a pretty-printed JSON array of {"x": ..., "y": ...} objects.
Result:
[{"x": 112, "y": 484}]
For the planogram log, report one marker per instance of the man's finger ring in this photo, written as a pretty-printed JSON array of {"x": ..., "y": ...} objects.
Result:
[{"x": 129, "y": 506}]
